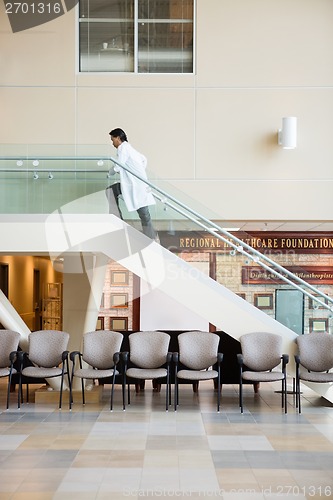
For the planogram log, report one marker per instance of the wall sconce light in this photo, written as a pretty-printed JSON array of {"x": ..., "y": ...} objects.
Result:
[
  {"x": 58, "y": 264},
  {"x": 287, "y": 135},
  {"x": 50, "y": 175},
  {"x": 35, "y": 176}
]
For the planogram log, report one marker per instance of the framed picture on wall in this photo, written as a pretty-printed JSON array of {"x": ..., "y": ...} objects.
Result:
[
  {"x": 119, "y": 300},
  {"x": 118, "y": 324},
  {"x": 263, "y": 300},
  {"x": 119, "y": 278},
  {"x": 53, "y": 290},
  {"x": 313, "y": 304},
  {"x": 318, "y": 324},
  {"x": 100, "y": 323}
]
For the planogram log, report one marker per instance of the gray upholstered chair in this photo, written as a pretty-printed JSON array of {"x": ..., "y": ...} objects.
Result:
[
  {"x": 48, "y": 353},
  {"x": 262, "y": 360},
  {"x": 9, "y": 341},
  {"x": 198, "y": 354},
  {"x": 101, "y": 351},
  {"x": 314, "y": 361},
  {"x": 148, "y": 359}
]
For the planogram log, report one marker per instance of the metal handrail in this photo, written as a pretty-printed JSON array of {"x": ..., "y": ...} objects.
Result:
[
  {"x": 239, "y": 247},
  {"x": 243, "y": 252},
  {"x": 211, "y": 227}
]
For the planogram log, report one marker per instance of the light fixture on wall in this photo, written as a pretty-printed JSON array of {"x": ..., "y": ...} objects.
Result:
[
  {"x": 50, "y": 175},
  {"x": 58, "y": 264},
  {"x": 35, "y": 176},
  {"x": 287, "y": 135}
]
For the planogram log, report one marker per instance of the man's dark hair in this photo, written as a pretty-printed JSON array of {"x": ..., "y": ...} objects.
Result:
[{"x": 118, "y": 132}]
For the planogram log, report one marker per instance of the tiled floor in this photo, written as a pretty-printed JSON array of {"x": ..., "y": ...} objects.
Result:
[{"x": 145, "y": 452}]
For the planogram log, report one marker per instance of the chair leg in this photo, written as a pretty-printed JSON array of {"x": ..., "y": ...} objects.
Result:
[
  {"x": 61, "y": 387},
  {"x": 70, "y": 388},
  {"x": 20, "y": 397},
  {"x": 296, "y": 391},
  {"x": 176, "y": 393},
  {"x": 241, "y": 394},
  {"x": 123, "y": 388},
  {"x": 70, "y": 397},
  {"x": 299, "y": 396},
  {"x": 167, "y": 393},
  {"x": 284, "y": 394},
  {"x": 20, "y": 393},
  {"x": 8, "y": 395},
  {"x": 112, "y": 388},
  {"x": 8, "y": 389},
  {"x": 218, "y": 391},
  {"x": 128, "y": 393},
  {"x": 65, "y": 370},
  {"x": 82, "y": 392}
]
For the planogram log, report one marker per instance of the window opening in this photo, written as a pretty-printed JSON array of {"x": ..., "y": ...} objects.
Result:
[{"x": 136, "y": 36}]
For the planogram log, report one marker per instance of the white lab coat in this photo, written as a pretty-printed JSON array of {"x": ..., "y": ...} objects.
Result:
[{"x": 136, "y": 193}]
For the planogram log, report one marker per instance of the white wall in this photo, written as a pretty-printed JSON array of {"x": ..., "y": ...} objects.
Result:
[
  {"x": 160, "y": 311},
  {"x": 212, "y": 134}
]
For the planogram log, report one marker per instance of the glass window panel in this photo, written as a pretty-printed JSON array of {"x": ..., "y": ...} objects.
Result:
[
  {"x": 154, "y": 9},
  {"x": 160, "y": 38},
  {"x": 164, "y": 48},
  {"x": 166, "y": 9},
  {"x": 107, "y": 9},
  {"x": 106, "y": 46}
]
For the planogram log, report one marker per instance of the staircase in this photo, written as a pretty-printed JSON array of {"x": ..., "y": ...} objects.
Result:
[{"x": 99, "y": 237}]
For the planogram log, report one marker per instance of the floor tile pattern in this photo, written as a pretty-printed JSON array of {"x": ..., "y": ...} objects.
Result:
[{"x": 145, "y": 452}]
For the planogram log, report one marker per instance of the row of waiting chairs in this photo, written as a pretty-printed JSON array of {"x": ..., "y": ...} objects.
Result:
[{"x": 149, "y": 358}]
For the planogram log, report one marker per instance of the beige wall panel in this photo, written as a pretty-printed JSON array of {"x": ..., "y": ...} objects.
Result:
[
  {"x": 264, "y": 200},
  {"x": 264, "y": 42},
  {"x": 38, "y": 116},
  {"x": 243, "y": 142},
  {"x": 135, "y": 81},
  {"x": 42, "y": 56},
  {"x": 158, "y": 122}
]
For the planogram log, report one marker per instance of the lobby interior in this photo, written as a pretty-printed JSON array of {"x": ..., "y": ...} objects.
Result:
[{"x": 217, "y": 129}]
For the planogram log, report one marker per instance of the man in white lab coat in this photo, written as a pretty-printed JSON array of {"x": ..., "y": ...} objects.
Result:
[{"x": 136, "y": 194}]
